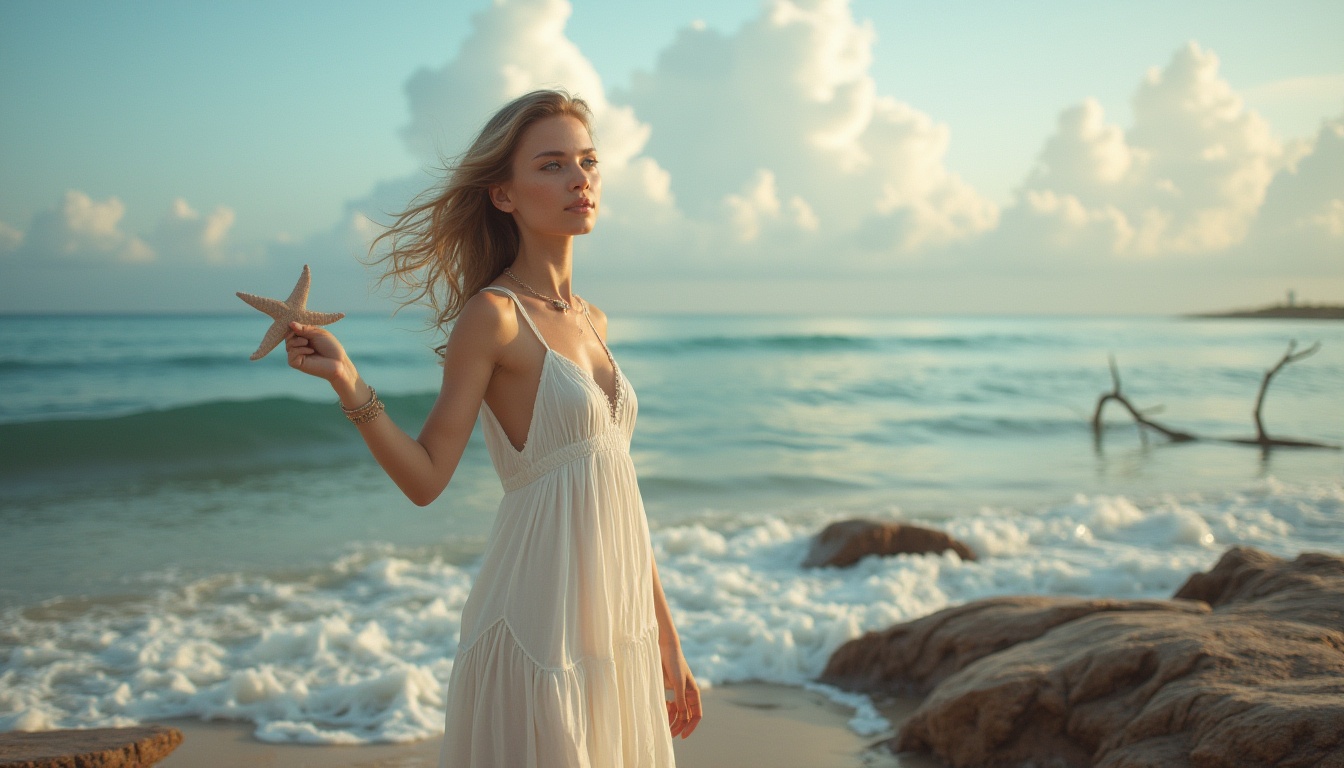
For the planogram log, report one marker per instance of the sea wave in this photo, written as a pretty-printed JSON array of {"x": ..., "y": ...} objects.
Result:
[
  {"x": 253, "y": 432},
  {"x": 133, "y": 361},
  {"x": 360, "y": 650},
  {"x": 209, "y": 433},
  {"x": 823, "y": 342}
]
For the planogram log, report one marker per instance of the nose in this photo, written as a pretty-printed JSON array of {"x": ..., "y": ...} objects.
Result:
[{"x": 581, "y": 179}]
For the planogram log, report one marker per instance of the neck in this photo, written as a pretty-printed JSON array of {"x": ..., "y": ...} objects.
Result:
[{"x": 546, "y": 264}]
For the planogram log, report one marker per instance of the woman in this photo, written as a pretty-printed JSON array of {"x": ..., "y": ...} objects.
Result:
[{"x": 566, "y": 625}]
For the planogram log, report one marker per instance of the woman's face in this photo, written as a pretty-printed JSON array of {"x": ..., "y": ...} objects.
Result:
[{"x": 556, "y": 187}]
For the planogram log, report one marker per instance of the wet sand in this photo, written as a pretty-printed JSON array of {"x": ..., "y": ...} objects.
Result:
[{"x": 745, "y": 726}]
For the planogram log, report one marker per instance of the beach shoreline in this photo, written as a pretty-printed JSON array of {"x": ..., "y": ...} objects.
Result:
[{"x": 746, "y": 724}]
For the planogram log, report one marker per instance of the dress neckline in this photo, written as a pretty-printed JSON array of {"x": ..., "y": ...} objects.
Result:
[
  {"x": 616, "y": 399},
  {"x": 613, "y": 403}
]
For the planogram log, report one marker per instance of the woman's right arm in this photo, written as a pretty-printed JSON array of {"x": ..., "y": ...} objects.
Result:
[{"x": 420, "y": 466}]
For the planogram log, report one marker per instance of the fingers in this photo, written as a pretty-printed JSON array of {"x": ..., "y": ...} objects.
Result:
[
  {"x": 691, "y": 710},
  {"x": 684, "y": 710},
  {"x": 297, "y": 349}
]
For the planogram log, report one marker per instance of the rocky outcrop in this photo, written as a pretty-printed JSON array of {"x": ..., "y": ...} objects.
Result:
[
  {"x": 844, "y": 543},
  {"x": 96, "y": 748},
  {"x": 916, "y": 657},
  {"x": 1245, "y": 667}
]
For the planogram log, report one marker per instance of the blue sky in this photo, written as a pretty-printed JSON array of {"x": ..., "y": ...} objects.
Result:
[{"x": 959, "y": 156}]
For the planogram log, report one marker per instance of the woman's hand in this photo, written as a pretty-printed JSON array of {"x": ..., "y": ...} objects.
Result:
[
  {"x": 683, "y": 709},
  {"x": 316, "y": 352}
]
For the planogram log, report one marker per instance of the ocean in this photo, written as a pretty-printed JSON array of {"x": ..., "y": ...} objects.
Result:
[{"x": 190, "y": 534}]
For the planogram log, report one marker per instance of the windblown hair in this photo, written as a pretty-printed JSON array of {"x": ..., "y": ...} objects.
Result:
[{"x": 452, "y": 241}]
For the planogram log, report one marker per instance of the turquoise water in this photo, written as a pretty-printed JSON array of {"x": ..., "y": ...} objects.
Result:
[{"x": 159, "y": 491}]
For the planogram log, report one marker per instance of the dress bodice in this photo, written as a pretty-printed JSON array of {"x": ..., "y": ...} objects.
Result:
[{"x": 572, "y": 416}]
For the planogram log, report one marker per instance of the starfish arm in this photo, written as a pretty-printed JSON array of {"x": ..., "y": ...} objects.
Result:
[
  {"x": 274, "y": 335},
  {"x": 308, "y": 317},
  {"x": 298, "y": 298},
  {"x": 293, "y": 309},
  {"x": 269, "y": 306}
]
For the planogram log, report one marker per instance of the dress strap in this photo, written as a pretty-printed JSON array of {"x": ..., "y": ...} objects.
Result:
[
  {"x": 589, "y": 317},
  {"x": 521, "y": 308}
]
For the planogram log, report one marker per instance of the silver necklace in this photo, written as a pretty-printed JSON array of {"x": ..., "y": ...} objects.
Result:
[{"x": 559, "y": 305}]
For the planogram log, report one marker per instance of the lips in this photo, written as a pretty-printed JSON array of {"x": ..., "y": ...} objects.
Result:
[{"x": 582, "y": 206}]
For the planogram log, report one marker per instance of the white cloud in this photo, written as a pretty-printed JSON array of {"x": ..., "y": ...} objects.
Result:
[
  {"x": 1302, "y": 219},
  {"x": 79, "y": 228},
  {"x": 759, "y": 206},
  {"x": 1085, "y": 154},
  {"x": 764, "y": 144},
  {"x": 785, "y": 109},
  {"x": 84, "y": 229},
  {"x": 185, "y": 234},
  {"x": 770, "y": 146},
  {"x": 1188, "y": 177},
  {"x": 517, "y": 46}
]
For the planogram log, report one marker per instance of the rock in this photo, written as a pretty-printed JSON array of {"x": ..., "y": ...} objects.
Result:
[
  {"x": 914, "y": 658},
  {"x": 95, "y": 748},
  {"x": 1244, "y": 668},
  {"x": 844, "y": 543}
]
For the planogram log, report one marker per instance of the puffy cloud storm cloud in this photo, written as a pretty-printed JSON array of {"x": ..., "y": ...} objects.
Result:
[
  {"x": 1188, "y": 177},
  {"x": 1301, "y": 222},
  {"x": 770, "y": 145},
  {"x": 777, "y": 135},
  {"x": 79, "y": 228},
  {"x": 185, "y": 234},
  {"x": 516, "y": 46},
  {"x": 767, "y": 144}
]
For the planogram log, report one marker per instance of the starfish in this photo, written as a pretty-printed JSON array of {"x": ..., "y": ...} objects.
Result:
[{"x": 293, "y": 309}]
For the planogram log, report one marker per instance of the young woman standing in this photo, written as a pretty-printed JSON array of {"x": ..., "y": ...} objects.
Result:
[{"x": 567, "y": 646}]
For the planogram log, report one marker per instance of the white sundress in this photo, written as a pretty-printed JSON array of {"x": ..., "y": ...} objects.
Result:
[{"x": 558, "y": 664}]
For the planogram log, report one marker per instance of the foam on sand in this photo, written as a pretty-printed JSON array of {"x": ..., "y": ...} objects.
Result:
[{"x": 360, "y": 651}]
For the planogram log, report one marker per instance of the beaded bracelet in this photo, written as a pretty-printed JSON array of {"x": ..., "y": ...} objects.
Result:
[{"x": 367, "y": 412}]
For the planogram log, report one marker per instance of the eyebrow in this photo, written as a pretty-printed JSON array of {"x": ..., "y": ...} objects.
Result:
[{"x": 559, "y": 153}]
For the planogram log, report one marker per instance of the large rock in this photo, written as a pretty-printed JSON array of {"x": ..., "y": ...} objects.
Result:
[
  {"x": 95, "y": 748},
  {"x": 914, "y": 658},
  {"x": 1244, "y": 668},
  {"x": 844, "y": 543}
]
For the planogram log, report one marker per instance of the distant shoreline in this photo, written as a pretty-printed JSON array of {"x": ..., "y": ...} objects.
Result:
[{"x": 1280, "y": 312}]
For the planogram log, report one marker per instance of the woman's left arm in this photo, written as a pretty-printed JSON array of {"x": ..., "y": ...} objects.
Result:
[{"x": 683, "y": 710}]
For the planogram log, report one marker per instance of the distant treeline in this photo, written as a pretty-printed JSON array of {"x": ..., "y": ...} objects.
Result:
[{"x": 1300, "y": 311}]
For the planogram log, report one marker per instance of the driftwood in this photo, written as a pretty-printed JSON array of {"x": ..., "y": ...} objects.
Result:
[
  {"x": 1140, "y": 418},
  {"x": 1261, "y": 439}
]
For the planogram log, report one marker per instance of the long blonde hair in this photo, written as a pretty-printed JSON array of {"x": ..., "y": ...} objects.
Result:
[{"x": 452, "y": 241}]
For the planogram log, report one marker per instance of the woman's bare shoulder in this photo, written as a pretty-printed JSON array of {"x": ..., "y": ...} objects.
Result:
[
  {"x": 488, "y": 318},
  {"x": 599, "y": 317}
]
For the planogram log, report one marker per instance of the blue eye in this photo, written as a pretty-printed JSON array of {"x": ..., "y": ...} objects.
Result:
[
  {"x": 551, "y": 166},
  {"x": 589, "y": 162}
]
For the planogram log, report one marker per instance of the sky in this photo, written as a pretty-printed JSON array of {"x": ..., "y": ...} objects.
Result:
[{"x": 790, "y": 156}]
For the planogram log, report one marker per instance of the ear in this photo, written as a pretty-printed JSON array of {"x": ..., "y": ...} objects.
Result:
[{"x": 500, "y": 198}]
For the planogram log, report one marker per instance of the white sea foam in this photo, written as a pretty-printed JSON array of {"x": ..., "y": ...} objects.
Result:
[{"x": 360, "y": 652}]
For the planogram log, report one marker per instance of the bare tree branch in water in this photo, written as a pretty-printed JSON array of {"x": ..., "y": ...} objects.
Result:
[
  {"x": 1261, "y": 438},
  {"x": 1140, "y": 418}
]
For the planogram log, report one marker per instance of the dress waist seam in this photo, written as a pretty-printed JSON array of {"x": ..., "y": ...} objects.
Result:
[{"x": 611, "y": 440}]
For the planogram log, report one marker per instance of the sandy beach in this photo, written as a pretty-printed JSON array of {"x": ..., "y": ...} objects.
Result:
[{"x": 746, "y": 725}]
